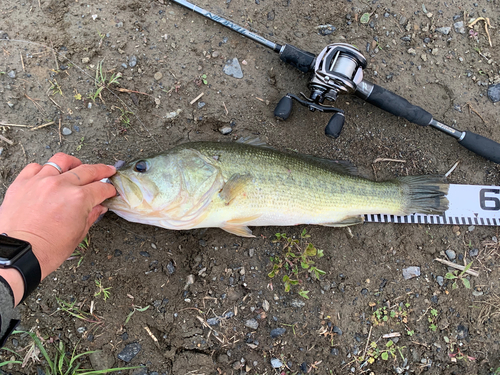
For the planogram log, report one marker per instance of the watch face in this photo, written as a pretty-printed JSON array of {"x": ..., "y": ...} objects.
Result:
[{"x": 11, "y": 249}]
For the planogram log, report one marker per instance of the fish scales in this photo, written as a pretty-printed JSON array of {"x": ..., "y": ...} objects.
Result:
[{"x": 236, "y": 185}]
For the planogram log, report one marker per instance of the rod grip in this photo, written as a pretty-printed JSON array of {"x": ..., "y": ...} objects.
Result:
[
  {"x": 398, "y": 106},
  {"x": 300, "y": 59},
  {"x": 483, "y": 146}
]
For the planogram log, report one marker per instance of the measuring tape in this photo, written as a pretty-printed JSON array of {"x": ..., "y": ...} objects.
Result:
[{"x": 469, "y": 205}]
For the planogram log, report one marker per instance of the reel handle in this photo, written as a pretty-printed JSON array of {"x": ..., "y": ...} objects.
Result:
[
  {"x": 284, "y": 108},
  {"x": 335, "y": 125}
]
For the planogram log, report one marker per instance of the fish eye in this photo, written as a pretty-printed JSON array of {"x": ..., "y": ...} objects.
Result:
[{"x": 141, "y": 166}]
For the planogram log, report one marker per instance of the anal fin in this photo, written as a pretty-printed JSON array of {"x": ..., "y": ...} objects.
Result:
[
  {"x": 350, "y": 220},
  {"x": 239, "y": 230}
]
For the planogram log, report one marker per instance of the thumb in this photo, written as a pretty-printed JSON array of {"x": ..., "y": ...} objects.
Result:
[{"x": 96, "y": 215}]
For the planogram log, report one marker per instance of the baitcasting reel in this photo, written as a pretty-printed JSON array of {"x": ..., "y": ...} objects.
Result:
[{"x": 338, "y": 69}]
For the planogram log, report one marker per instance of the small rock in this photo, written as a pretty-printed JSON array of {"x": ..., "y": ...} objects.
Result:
[
  {"x": 462, "y": 332},
  {"x": 473, "y": 253},
  {"x": 443, "y": 30},
  {"x": 66, "y": 131},
  {"x": 225, "y": 130},
  {"x": 124, "y": 66},
  {"x": 459, "y": 27},
  {"x": 477, "y": 293},
  {"x": 325, "y": 285},
  {"x": 201, "y": 104},
  {"x": 423, "y": 56},
  {"x": 277, "y": 332},
  {"x": 297, "y": 303},
  {"x": 334, "y": 351},
  {"x": 132, "y": 61},
  {"x": 494, "y": 93},
  {"x": 440, "y": 280},
  {"x": 412, "y": 51},
  {"x": 265, "y": 305},
  {"x": 411, "y": 272},
  {"x": 451, "y": 254},
  {"x": 251, "y": 252},
  {"x": 252, "y": 324},
  {"x": 215, "y": 54},
  {"x": 158, "y": 76},
  {"x": 213, "y": 321},
  {"x": 337, "y": 330},
  {"x": 276, "y": 363},
  {"x": 233, "y": 68},
  {"x": 101, "y": 360},
  {"x": 81, "y": 330},
  {"x": 170, "y": 268},
  {"x": 119, "y": 24},
  {"x": 129, "y": 352},
  {"x": 326, "y": 29},
  {"x": 85, "y": 60},
  {"x": 12, "y": 74}
]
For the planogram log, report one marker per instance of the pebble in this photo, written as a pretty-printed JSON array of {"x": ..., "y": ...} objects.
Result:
[
  {"x": 462, "y": 332},
  {"x": 129, "y": 352},
  {"x": 325, "y": 29},
  {"x": 81, "y": 330},
  {"x": 494, "y": 93},
  {"x": 66, "y": 131},
  {"x": 334, "y": 351},
  {"x": 124, "y": 66},
  {"x": 297, "y": 303},
  {"x": 412, "y": 51},
  {"x": 170, "y": 268},
  {"x": 158, "y": 76},
  {"x": 201, "y": 104},
  {"x": 215, "y": 54},
  {"x": 276, "y": 363},
  {"x": 443, "y": 30},
  {"x": 233, "y": 68},
  {"x": 12, "y": 74},
  {"x": 277, "y": 332},
  {"x": 473, "y": 253},
  {"x": 213, "y": 321},
  {"x": 252, "y": 324},
  {"x": 337, "y": 330},
  {"x": 265, "y": 305},
  {"x": 459, "y": 27},
  {"x": 440, "y": 280},
  {"x": 132, "y": 61},
  {"x": 85, "y": 60},
  {"x": 225, "y": 130},
  {"x": 451, "y": 254},
  {"x": 411, "y": 272}
]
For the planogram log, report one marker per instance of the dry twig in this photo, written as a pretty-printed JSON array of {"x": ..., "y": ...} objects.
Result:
[
  {"x": 6, "y": 140},
  {"x": 42, "y": 126},
  {"x": 457, "y": 266},
  {"x": 196, "y": 99},
  {"x": 486, "y": 24}
]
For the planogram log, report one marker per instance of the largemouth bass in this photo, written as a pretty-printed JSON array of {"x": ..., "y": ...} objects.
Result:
[{"x": 235, "y": 185}]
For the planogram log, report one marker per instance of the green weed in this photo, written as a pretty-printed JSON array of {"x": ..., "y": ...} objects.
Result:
[
  {"x": 60, "y": 361},
  {"x": 102, "y": 290},
  {"x": 457, "y": 275},
  {"x": 102, "y": 82},
  {"x": 295, "y": 261},
  {"x": 136, "y": 308}
]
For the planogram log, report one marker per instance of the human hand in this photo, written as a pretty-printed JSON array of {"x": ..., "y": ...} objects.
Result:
[{"x": 53, "y": 211}]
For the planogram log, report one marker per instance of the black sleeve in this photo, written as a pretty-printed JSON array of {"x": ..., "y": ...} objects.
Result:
[{"x": 8, "y": 315}]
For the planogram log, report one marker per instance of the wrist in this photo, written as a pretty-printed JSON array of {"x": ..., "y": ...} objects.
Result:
[{"x": 15, "y": 281}]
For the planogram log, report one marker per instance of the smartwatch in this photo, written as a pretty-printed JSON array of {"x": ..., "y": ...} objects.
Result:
[{"x": 15, "y": 253}]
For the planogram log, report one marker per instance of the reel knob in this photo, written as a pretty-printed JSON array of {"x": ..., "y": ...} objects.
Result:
[
  {"x": 284, "y": 108},
  {"x": 335, "y": 125}
]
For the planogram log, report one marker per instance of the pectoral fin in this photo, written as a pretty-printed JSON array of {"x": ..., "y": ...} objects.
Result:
[
  {"x": 238, "y": 230},
  {"x": 234, "y": 187},
  {"x": 350, "y": 220}
]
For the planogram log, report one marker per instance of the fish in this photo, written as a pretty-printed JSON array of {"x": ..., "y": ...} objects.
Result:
[{"x": 237, "y": 185}]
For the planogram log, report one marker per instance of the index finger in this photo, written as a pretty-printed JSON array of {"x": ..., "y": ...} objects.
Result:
[
  {"x": 87, "y": 173},
  {"x": 99, "y": 191}
]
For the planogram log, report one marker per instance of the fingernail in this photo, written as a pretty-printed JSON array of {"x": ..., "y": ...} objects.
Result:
[{"x": 113, "y": 167}]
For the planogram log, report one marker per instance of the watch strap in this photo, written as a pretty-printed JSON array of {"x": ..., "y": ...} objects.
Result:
[{"x": 29, "y": 267}]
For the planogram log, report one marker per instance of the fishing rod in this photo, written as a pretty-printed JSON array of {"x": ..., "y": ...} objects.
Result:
[{"x": 338, "y": 69}]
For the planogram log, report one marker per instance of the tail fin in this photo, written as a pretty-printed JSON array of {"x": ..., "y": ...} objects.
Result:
[{"x": 425, "y": 194}]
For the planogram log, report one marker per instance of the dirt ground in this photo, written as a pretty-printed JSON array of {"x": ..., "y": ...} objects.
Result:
[{"x": 201, "y": 301}]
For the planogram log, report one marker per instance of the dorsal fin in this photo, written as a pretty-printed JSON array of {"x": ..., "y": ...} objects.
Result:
[
  {"x": 339, "y": 166},
  {"x": 253, "y": 140}
]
